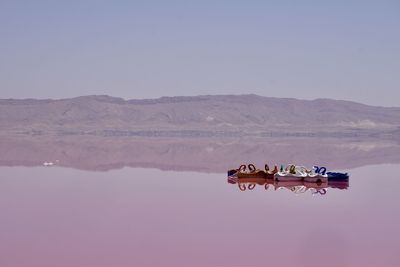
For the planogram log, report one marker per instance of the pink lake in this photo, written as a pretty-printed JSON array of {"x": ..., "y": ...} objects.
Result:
[{"x": 146, "y": 217}]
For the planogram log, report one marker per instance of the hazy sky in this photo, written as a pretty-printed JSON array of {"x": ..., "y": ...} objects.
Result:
[{"x": 145, "y": 49}]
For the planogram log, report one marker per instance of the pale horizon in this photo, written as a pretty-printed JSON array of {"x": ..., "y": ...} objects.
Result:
[
  {"x": 142, "y": 50},
  {"x": 205, "y": 95}
]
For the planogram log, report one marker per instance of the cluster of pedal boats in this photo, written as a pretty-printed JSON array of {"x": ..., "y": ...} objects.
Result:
[
  {"x": 295, "y": 178},
  {"x": 290, "y": 173}
]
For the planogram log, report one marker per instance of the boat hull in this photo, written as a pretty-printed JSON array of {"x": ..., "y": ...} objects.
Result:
[
  {"x": 288, "y": 177},
  {"x": 258, "y": 174},
  {"x": 316, "y": 178}
]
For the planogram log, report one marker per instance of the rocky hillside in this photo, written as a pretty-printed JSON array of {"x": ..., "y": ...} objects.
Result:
[{"x": 224, "y": 115}]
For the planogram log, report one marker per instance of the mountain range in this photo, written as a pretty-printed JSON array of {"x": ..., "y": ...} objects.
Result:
[{"x": 198, "y": 116}]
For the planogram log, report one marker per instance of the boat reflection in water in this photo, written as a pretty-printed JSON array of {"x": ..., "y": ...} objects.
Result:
[
  {"x": 297, "y": 187},
  {"x": 253, "y": 179}
]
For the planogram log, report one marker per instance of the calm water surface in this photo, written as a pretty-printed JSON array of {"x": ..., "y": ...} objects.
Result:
[{"x": 147, "y": 217}]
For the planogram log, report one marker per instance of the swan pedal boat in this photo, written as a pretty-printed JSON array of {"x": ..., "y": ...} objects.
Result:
[
  {"x": 316, "y": 175},
  {"x": 252, "y": 172},
  {"x": 291, "y": 173}
]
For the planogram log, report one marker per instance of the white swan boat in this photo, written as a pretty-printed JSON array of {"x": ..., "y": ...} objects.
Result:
[
  {"x": 291, "y": 173},
  {"x": 316, "y": 175}
]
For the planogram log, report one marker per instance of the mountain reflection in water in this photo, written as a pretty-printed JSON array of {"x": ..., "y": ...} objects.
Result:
[{"x": 215, "y": 155}]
